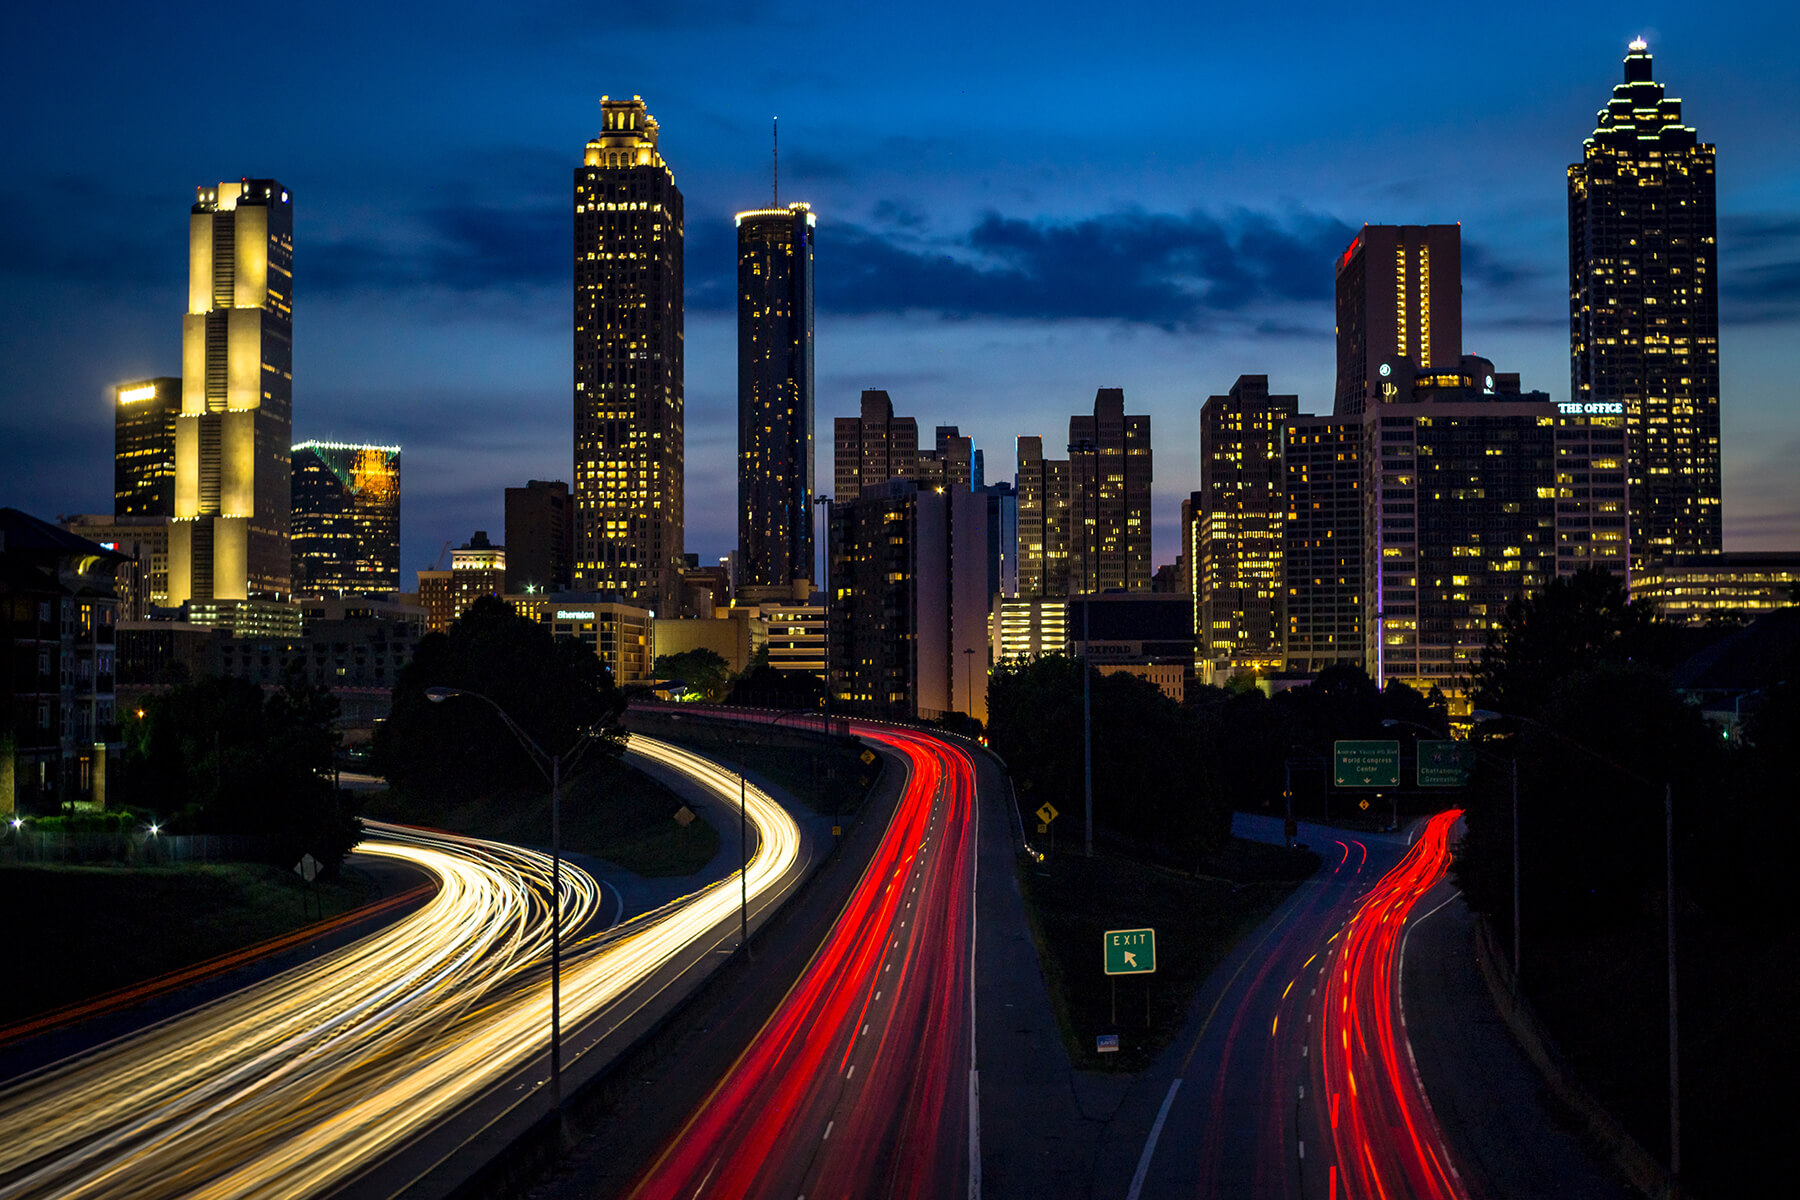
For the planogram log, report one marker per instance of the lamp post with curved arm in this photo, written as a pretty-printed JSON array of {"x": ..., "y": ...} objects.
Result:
[{"x": 551, "y": 765}]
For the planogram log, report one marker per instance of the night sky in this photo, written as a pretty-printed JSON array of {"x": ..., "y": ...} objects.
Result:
[{"x": 1015, "y": 207}]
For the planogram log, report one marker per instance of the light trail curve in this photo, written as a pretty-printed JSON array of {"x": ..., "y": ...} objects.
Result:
[
  {"x": 294, "y": 1085},
  {"x": 857, "y": 1083},
  {"x": 1385, "y": 1141}
]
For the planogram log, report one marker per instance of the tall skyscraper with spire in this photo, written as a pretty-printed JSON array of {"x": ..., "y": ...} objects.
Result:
[
  {"x": 229, "y": 539},
  {"x": 1644, "y": 308},
  {"x": 628, "y": 363},
  {"x": 775, "y": 393}
]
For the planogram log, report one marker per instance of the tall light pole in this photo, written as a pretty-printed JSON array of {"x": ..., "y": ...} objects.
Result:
[
  {"x": 551, "y": 765},
  {"x": 1668, "y": 791},
  {"x": 1087, "y": 706}
]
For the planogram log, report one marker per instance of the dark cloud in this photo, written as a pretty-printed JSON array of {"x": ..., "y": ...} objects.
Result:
[
  {"x": 1153, "y": 269},
  {"x": 78, "y": 229},
  {"x": 1494, "y": 272},
  {"x": 458, "y": 247}
]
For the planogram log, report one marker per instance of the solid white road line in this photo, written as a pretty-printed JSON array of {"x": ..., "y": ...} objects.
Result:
[{"x": 1143, "y": 1167}]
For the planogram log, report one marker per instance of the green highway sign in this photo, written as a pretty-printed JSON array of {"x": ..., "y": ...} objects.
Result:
[
  {"x": 1130, "y": 951},
  {"x": 1365, "y": 764},
  {"x": 1444, "y": 764}
]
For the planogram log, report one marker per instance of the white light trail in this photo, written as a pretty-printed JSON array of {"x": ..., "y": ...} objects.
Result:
[{"x": 295, "y": 1085}]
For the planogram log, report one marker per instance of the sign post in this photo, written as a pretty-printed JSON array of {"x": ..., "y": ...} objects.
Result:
[{"x": 1129, "y": 952}]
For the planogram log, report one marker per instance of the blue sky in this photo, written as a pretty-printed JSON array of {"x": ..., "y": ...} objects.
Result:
[{"x": 1017, "y": 205}]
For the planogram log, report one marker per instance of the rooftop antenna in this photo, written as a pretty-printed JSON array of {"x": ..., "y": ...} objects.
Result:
[{"x": 775, "y": 160}]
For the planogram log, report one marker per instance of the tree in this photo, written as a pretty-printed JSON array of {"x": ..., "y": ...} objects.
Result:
[
  {"x": 763, "y": 686},
  {"x": 1578, "y": 622},
  {"x": 705, "y": 672},
  {"x": 554, "y": 689},
  {"x": 218, "y": 756},
  {"x": 1153, "y": 781}
]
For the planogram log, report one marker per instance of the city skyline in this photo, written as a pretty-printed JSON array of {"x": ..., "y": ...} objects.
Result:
[{"x": 965, "y": 228}]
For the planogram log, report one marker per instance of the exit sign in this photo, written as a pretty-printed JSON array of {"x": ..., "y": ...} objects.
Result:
[{"x": 1130, "y": 951}]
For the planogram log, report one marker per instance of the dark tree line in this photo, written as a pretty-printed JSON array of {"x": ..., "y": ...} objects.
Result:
[
  {"x": 554, "y": 689},
  {"x": 220, "y": 756},
  {"x": 1602, "y": 732},
  {"x": 1169, "y": 773}
]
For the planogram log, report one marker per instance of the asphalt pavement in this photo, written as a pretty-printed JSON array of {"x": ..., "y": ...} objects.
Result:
[{"x": 1513, "y": 1138}]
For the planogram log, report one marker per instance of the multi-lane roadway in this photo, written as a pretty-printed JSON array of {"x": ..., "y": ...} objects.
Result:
[
  {"x": 1298, "y": 1082},
  {"x": 301, "y": 1083},
  {"x": 862, "y": 1082}
]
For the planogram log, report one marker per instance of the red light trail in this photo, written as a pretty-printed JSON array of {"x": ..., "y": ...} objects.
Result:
[
  {"x": 1373, "y": 1109},
  {"x": 855, "y": 1085}
]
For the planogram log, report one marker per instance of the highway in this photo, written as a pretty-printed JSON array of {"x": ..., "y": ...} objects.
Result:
[
  {"x": 1368, "y": 1099},
  {"x": 299, "y": 1084},
  {"x": 861, "y": 1082},
  {"x": 1297, "y": 1082}
]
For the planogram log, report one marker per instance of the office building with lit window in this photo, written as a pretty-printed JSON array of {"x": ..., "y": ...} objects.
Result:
[
  {"x": 1644, "y": 307},
  {"x": 1110, "y": 470},
  {"x": 628, "y": 363},
  {"x": 144, "y": 413},
  {"x": 346, "y": 519},
  {"x": 1462, "y": 491},
  {"x": 142, "y": 582},
  {"x": 908, "y": 625},
  {"x": 775, "y": 396},
  {"x": 477, "y": 569},
  {"x": 1593, "y": 494},
  {"x": 1239, "y": 540},
  {"x": 1044, "y": 522},
  {"x": 59, "y": 730},
  {"x": 1322, "y": 547},
  {"x": 1399, "y": 307},
  {"x": 950, "y": 464},
  {"x": 1026, "y": 628},
  {"x": 870, "y": 449},
  {"x": 1734, "y": 586},
  {"x": 230, "y": 538}
]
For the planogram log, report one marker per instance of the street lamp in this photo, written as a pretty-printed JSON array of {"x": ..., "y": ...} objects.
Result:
[
  {"x": 1481, "y": 715},
  {"x": 551, "y": 765}
]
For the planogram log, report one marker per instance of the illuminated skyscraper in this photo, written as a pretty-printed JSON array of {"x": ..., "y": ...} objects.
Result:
[
  {"x": 1399, "y": 297},
  {"x": 1043, "y": 522},
  {"x": 144, "y": 415},
  {"x": 230, "y": 537},
  {"x": 628, "y": 363},
  {"x": 1110, "y": 468},
  {"x": 1238, "y": 571},
  {"x": 1323, "y": 544},
  {"x": 1644, "y": 308},
  {"x": 775, "y": 396},
  {"x": 346, "y": 519}
]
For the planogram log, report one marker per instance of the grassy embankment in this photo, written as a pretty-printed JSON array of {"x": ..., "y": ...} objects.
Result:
[
  {"x": 609, "y": 810},
  {"x": 1198, "y": 918},
  {"x": 81, "y": 931}
]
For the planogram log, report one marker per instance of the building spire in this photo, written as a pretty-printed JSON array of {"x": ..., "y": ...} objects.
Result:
[{"x": 775, "y": 160}]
